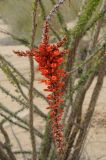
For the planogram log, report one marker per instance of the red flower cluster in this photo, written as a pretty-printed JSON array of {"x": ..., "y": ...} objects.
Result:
[{"x": 50, "y": 58}]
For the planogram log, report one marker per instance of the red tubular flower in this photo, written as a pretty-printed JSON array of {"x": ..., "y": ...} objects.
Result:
[{"x": 50, "y": 58}]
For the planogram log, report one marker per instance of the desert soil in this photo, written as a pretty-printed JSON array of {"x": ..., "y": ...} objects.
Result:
[{"x": 95, "y": 147}]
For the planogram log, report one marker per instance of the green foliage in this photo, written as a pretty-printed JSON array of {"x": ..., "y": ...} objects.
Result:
[{"x": 85, "y": 16}]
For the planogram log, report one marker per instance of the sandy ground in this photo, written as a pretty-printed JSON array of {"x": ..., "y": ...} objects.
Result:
[{"x": 95, "y": 147}]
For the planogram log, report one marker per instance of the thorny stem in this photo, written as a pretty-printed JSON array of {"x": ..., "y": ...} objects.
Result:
[
  {"x": 79, "y": 31},
  {"x": 18, "y": 142},
  {"x": 25, "y": 124},
  {"x": 90, "y": 110},
  {"x": 18, "y": 124},
  {"x": 44, "y": 15},
  {"x": 36, "y": 109},
  {"x": 3, "y": 155},
  {"x": 22, "y": 79},
  {"x": 61, "y": 19},
  {"x": 9, "y": 117},
  {"x": 31, "y": 118},
  {"x": 7, "y": 143},
  {"x": 23, "y": 41},
  {"x": 55, "y": 8},
  {"x": 87, "y": 60},
  {"x": 22, "y": 152},
  {"x": 23, "y": 103}
]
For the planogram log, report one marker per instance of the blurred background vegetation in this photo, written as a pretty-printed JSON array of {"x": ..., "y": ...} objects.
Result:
[{"x": 17, "y": 14}]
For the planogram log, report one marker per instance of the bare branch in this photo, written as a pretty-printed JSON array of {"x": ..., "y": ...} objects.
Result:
[
  {"x": 53, "y": 11},
  {"x": 61, "y": 19},
  {"x": 21, "y": 102},
  {"x": 23, "y": 41},
  {"x": 23, "y": 152},
  {"x": 21, "y": 78},
  {"x": 14, "y": 122},
  {"x": 7, "y": 143},
  {"x": 90, "y": 110},
  {"x": 31, "y": 115},
  {"x": 96, "y": 50},
  {"x": 18, "y": 142},
  {"x": 3, "y": 155},
  {"x": 3, "y": 108},
  {"x": 44, "y": 16}
]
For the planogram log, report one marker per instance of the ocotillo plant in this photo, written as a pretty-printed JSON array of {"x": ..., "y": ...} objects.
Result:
[
  {"x": 68, "y": 67},
  {"x": 50, "y": 59}
]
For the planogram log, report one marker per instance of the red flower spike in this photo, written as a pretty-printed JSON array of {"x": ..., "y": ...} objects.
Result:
[
  {"x": 61, "y": 42},
  {"x": 60, "y": 60},
  {"x": 45, "y": 72},
  {"x": 56, "y": 53},
  {"x": 50, "y": 58},
  {"x": 53, "y": 65},
  {"x": 54, "y": 78},
  {"x": 49, "y": 48},
  {"x": 27, "y": 53}
]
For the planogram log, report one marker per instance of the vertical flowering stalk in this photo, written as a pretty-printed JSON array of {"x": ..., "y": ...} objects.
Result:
[{"x": 50, "y": 58}]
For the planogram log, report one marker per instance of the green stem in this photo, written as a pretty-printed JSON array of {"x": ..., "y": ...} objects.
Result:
[
  {"x": 20, "y": 77},
  {"x": 3, "y": 108},
  {"x": 21, "y": 102}
]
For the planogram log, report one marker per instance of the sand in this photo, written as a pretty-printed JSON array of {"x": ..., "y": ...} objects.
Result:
[{"x": 95, "y": 147}]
